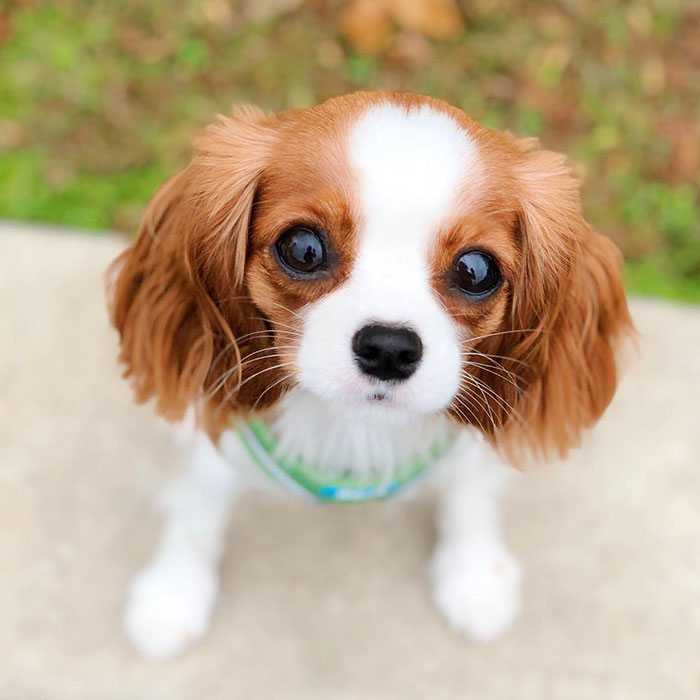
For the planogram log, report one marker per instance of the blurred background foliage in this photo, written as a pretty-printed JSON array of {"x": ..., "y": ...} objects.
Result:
[{"x": 99, "y": 100}]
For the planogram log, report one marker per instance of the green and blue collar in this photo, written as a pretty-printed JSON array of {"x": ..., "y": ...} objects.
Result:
[{"x": 312, "y": 483}]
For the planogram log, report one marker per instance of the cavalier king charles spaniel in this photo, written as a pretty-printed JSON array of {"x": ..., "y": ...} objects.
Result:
[{"x": 350, "y": 299}]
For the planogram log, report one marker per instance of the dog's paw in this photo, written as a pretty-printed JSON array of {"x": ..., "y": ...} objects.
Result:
[
  {"x": 478, "y": 592},
  {"x": 169, "y": 607}
]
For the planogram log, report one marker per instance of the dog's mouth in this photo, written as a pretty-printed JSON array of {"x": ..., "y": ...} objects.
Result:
[{"x": 377, "y": 396}]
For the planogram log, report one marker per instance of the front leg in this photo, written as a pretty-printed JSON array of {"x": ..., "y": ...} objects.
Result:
[
  {"x": 171, "y": 600},
  {"x": 475, "y": 579}
]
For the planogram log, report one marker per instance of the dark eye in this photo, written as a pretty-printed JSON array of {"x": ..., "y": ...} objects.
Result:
[
  {"x": 302, "y": 250},
  {"x": 477, "y": 273}
]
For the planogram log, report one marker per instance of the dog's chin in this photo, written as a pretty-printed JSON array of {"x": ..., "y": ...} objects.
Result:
[{"x": 376, "y": 404}]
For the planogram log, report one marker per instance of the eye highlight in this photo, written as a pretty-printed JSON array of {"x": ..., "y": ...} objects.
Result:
[
  {"x": 476, "y": 273},
  {"x": 302, "y": 251}
]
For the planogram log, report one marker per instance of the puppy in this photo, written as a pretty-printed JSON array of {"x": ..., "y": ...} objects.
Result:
[{"x": 347, "y": 299}]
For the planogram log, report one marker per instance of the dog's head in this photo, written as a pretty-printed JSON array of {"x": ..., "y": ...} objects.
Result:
[{"x": 385, "y": 253}]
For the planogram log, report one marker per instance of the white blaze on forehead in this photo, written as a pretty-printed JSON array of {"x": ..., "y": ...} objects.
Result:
[{"x": 409, "y": 165}]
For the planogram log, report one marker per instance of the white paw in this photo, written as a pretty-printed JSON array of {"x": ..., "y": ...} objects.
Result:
[
  {"x": 477, "y": 590},
  {"x": 169, "y": 606}
]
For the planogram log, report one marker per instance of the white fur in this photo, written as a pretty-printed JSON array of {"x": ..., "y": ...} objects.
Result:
[
  {"x": 409, "y": 166},
  {"x": 170, "y": 601},
  {"x": 328, "y": 434},
  {"x": 475, "y": 579}
]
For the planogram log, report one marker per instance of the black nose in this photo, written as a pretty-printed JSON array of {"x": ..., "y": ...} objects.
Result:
[{"x": 387, "y": 352}]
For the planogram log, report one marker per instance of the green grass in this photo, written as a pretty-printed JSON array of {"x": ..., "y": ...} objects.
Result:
[
  {"x": 648, "y": 278},
  {"x": 86, "y": 200},
  {"x": 98, "y": 102}
]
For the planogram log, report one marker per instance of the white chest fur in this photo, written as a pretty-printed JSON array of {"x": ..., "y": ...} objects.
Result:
[{"x": 346, "y": 441}]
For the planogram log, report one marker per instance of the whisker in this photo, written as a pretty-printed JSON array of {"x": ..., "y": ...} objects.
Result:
[
  {"x": 500, "y": 372},
  {"x": 492, "y": 371},
  {"x": 256, "y": 334},
  {"x": 492, "y": 335},
  {"x": 272, "y": 386},
  {"x": 247, "y": 297},
  {"x": 266, "y": 369},
  {"x": 473, "y": 381},
  {"x": 473, "y": 401},
  {"x": 494, "y": 363},
  {"x": 221, "y": 353},
  {"x": 287, "y": 309},
  {"x": 471, "y": 412},
  {"x": 235, "y": 297},
  {"x": 453, "y": 407},
  {"x": 247, "y": 360},
  {"x": 511, "y": 411},
  {"x": 274, "y": 324},
  {"x": 504, "y": 357},
  {"x": 488, "y": 356},
  {"x": 231, "y": 392},
  {"x": 271, "y": 333},
  {"x": 502, "y": 402}
]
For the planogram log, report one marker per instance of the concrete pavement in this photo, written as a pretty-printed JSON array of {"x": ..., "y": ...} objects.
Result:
[{"x": 329, "y": 602}]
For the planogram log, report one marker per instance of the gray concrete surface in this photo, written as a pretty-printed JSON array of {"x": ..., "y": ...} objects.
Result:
[{"x": 329, "y": 602}]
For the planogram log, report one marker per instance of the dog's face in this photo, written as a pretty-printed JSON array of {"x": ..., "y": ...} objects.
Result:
[
  {"x": 388, "y": 255},
  {"x": 352, "y": 253}
]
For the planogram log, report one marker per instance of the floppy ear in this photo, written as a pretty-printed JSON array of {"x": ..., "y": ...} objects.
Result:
[
  {"x": 177, "y": 295},
  {"x": 568, "y": 309}
]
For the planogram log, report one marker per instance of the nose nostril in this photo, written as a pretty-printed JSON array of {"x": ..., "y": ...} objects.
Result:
[
  {"x": 387, "y": 352},
  {"x": 407, "y": 357},
  {"x": 370, "y": 352}
]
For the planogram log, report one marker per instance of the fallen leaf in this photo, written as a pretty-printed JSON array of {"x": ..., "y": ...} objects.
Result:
[
  {"x": 12, "y": 134},
  {"x": 684, "y": 160},
  {"x": 218, "y": 12},
  {"x": 261, "y": 10},
  {"x": 412, "y": 49},
  {"x": 653, "y": 76},
  {"x": 329, "y": 54},
  {"x": 366, "y": 26},
  {"x": 437, "y": 19}
]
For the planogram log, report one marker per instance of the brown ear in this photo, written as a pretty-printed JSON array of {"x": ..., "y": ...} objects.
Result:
[
  {"x": 568, "y": 309},
  {"x": 177, "y": 295}
]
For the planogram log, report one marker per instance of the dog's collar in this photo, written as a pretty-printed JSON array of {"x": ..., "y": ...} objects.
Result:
[{"x": 310, "y": 482}]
